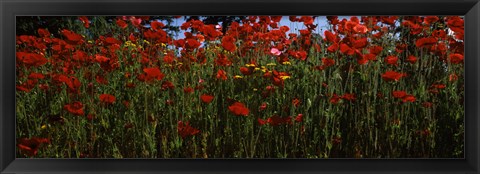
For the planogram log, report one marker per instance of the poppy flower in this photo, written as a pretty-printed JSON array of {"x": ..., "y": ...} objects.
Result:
[
  {"x": 345, "y": 49},
  {"x": 430, "y": 20},
  {"x": 206, "y": 98},
  {"x": 221, "y": 74},
  {"x": 228, "y": 43},
  {"x": 299, "y": 118},
  {"x": 392, "y": 76},
  {"x": 425, "y": 42},
  {"x": 412, "y": 59},
  {"x": 296, "y": 102},
  {"x": 277, "y": 120},
  {"x": 188, "y": 90},
  {"x": 31, "y": 59},
  {"x": 275, "y": 51},
  {"x": 72, "y": 37},
  {"x": 328, "y": 62},
  {"x": 75, "y": 108},
  {"x": 30, "y": 146},
  {"x": 222, "y": 60},
  {"x": 392, "y": 60},
  {"x": 409, "y": 98},
  {"x": 261, "y": 121},
  {"x": 121, "y": 23},
  {"x": 360, "y": 43},
  {"x": 85, "y": 21},
  {"x": 239, "y": 109},
  {"x": 184, "y": 129},
  {"x": 349, "y": 97},
  {"x": 330, "y": 37},
  {"x": 43, "y": 32},
  {"x": 334, "y": 99},
  {"x": 107, "y": 98},
  {"x": 360, "y": 29},
  {"x": 452, "y": 77},
  {"x": 332, "y": 48},
  {"x": 399, "y": 94},
  {"x": 153, "y": 73},
  {"x": 167, "y": 85},
  {"x": 263, "y": 106},
  {"x": 456, "y": 58}
]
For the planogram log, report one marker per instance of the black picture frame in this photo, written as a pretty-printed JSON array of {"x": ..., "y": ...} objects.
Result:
[{"x": 11, "y": 8}]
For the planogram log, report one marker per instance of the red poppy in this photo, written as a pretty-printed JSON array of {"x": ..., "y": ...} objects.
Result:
[
  {"x": 330, "y": 37},
  {"x": 412, "y": 59},
  {"x": 375, "y": 50},
  {"x": 43, "y": 32},
  {"x": 430, "y": 20},
  {"x": 246, "y": 71},
  {"x": 153, "y": 73},
  {"x": 228, "y": 43},
  {"x": 263, "y": 106},
  {"x": 184, "y": 129},
  {"x": 261, "y": 121},
  {"x": 392, "y": 60},
  {"x": 34, "y": 75},
  {"x": 221, "y": 74},
  {"x": 101, "y": 59},
  {"x": 360, "y": 29},
  {"x": 222, "y": 60},
  {"x": 427, "y": 104},
  {"x": 206, "y": 98},
  {"x": 299, "y": 118},
  {"x": 167, "y": 85},
  {"x": 277, "y": 120},
  {"x": 328, "y": 62},
  {"x": 239, "y": 109},
  {"x": 409, "y": 98},
  {"x": 156, "y": 25},
  {"x": 334, "y": 99},
  {"x": 349, "y": 97},
  {"x": 107, "y": 98},
  {"x": 188, "y": 90},
  {"x": 296, "y": 102},
  {"x": 425, "y": 42},
  {"x": 31, "y": 59},
  {"x": 332, "y": 48},
  {"x": 121, "y": 23},
  {"x": 456, "y": 58},
  {"x": 452, "y": 77},
  {"x": 75, "y": 108},
  {"x": 345, "y": 49},
  {"x": 392, "y": 76},
  {"x": 192, "y": 44},
  {"x": 72, "y": 37},
  {"x": 360, "y": 43},
  {"x": 30, "y": 146},
  {"x": 399, "y": 94},
  {"x": 85, "y": 21}
]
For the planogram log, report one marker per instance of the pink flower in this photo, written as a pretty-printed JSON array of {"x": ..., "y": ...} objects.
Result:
[{"x": 275, "y": 51}]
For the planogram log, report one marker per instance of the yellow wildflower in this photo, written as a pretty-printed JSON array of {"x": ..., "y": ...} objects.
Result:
[
  {"x": 237, "y": 77},
  {"x": 147, "y": 42},
  {"x": 271, "y": 64},
  {"x": 284, "y": 77},
  {"x": 250, "y": 65},
  {"x": 287, "y": 63}
]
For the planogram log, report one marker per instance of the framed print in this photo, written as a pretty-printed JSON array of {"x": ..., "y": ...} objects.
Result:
[{"x": 239, "y": 86}]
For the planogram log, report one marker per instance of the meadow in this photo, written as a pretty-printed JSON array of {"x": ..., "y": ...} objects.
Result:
[{"x": 129, "y": 87}]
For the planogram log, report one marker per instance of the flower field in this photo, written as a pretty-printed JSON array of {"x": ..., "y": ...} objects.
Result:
[{"x": 254, "y": 87}]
